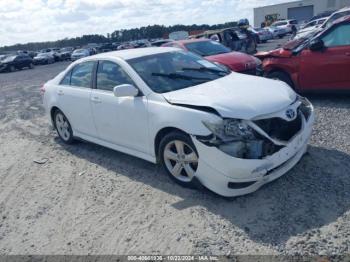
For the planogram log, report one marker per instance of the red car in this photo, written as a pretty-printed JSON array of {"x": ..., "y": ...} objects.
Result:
[
  {"x": 217, "y": 53},
  {"x": 320, "y": 62}
]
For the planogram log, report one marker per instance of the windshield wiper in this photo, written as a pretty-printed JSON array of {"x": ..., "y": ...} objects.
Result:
[
  {"x": 179, "y": 76},
  {"x": 201, "y": 69}
]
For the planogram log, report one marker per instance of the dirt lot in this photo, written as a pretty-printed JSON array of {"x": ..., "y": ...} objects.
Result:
[{"x": 87, "y": 199}]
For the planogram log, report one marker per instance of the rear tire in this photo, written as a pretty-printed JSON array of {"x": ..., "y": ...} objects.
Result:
[
  {"x": 284, "y": 77},
  {"x": 179, "y": 158},
  {"x": 63, "y": 127},
  {"x": 12, "y": 68}
]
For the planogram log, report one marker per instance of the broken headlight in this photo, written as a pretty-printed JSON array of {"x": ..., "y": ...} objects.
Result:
[
  {"x": 235, "y": 138},
  {"x": 230, "y": 130},
  {"x": 305, "y": 107}
]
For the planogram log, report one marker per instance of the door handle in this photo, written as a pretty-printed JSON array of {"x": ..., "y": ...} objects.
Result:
[
  {"x": 60, "y": 92},
  {"x": 96, "y": 100}
]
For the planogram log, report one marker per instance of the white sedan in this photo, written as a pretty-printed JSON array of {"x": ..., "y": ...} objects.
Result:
[{"x": 231, "y": 132}]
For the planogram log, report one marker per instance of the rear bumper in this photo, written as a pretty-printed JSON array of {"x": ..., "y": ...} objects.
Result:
[{"x": 219, "y": 171}]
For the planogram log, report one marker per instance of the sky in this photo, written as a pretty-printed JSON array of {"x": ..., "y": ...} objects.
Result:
[{"x": 24, "y": 21}]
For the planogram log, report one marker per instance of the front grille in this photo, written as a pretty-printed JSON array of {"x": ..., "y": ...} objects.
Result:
[{"x": 279, "y": 128}]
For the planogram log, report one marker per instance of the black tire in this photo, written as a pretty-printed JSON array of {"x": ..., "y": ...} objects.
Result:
[
  {"x": 282, "y": 76},
  {"x": 65, "y": 135},
  {"x": 12, "y": 68},
  {"x": 31, "y": 66},
  {"x": 164, "y": 144}
]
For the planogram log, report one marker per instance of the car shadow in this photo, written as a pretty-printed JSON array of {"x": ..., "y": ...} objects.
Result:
[
  {"x": 325, "y": 100},
  {"x": 313, "y": 194}
]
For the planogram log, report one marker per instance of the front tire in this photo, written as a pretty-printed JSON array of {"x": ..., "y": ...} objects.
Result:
[
  {"x": 179, "y": 158},
  {"x": 63, "y": 127}
]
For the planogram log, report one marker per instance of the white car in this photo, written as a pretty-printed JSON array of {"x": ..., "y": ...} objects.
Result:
[
  {"x": 326, "y": 23},
  {"x": 277, "y": 32},
  {"x": 287, "y": 25},
  {"x": 314, "y": 23},
  {"x": 231, "y": 132},
  {"x": 79, "y": 53},
  {"x": 309, "y": 28}
]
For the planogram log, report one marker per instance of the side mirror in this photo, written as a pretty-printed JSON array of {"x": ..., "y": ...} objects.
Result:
[
  {"x": 316, "y": 45},
  {"x": 125, "y": 90}
]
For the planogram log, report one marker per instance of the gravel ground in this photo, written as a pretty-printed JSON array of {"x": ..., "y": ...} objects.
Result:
[{"x": 87, "y": 199}]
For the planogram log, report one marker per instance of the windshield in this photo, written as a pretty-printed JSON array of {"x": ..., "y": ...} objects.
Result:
[
  {"x": 297, "y": 44},
  {"x": 335, "y": 17},
  {"x": 9, "y": 59},
  {"x": 207, "y": 48},
  {"x": 172, "y": 71}
]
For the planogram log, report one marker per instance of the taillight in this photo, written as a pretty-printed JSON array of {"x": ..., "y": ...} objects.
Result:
[{"x": 42, "y": 90}]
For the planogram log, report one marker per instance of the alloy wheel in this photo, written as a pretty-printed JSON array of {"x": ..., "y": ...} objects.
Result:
[
  {"x": 181, "y": 160},
  {"x": 63, "y": 126}
]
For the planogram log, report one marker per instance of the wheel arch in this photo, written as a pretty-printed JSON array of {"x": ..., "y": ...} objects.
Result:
[
  {"x": 281, "y": 70},
  {"x": 162, "y": 133},
  {"x": 52, "y": 114}
]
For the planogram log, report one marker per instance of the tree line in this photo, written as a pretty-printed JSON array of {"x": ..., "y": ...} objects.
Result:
[{"x": 124, "y": 35}]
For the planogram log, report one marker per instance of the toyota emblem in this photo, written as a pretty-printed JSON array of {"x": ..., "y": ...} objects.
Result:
[{"x": 290, "y": 114}]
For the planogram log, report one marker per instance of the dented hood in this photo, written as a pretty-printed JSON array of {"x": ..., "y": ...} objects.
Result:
[
  {"x": 236, "y": 96},
  {"x": 237, "y": 61}
]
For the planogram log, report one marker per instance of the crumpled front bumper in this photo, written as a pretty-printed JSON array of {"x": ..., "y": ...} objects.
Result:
[
  {"x": 216, "y": 169},
  {"x": 3, "y": 68}
]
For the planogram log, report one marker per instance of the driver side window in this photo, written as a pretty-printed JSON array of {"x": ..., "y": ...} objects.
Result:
[
  {"x": 340, "y": 36},
  {"x": 110, "y": 75}
]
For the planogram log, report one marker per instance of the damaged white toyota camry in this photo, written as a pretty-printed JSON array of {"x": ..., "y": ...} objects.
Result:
[{"x": 231, "y": 132}]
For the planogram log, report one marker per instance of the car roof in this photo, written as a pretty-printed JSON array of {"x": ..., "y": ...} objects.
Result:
[
  {"x": 342, "y": 9},
  {"x": 135, "y": 53}
]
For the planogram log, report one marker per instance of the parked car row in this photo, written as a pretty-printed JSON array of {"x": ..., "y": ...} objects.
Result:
[
  {"x": 12, "y": 63},
  {"x": 319, "y": 24}
]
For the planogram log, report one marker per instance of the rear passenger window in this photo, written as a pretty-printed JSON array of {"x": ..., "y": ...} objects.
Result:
[
  {"x": 110, "y": 75},
  {"x": 81, "y": 74},
  {"x": 66, "y": 80}
]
